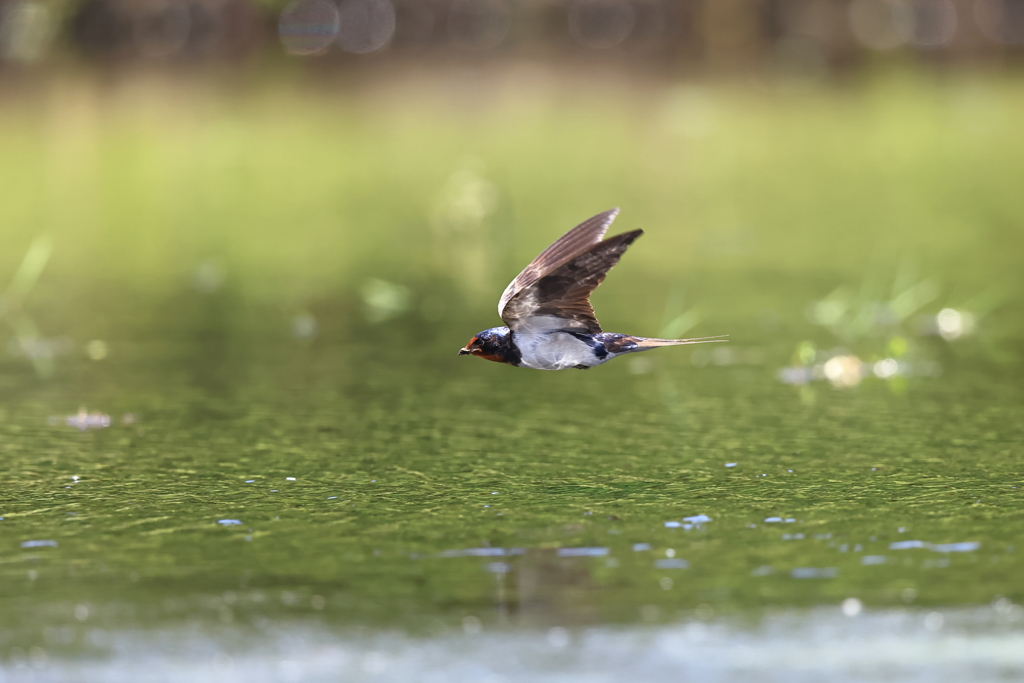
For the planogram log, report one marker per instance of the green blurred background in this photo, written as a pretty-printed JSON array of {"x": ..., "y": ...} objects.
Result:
[
  {"x": 244, "y": 243},
  {"x": 295, "y": 193}
]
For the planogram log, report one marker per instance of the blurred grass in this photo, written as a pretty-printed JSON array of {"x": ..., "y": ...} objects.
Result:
[{"x": 297, "y": 193}]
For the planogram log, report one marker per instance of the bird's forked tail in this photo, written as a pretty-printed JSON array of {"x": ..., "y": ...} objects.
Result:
[
  {"x": 624, "y": 343},
  {"x": 644, "y": 343}
]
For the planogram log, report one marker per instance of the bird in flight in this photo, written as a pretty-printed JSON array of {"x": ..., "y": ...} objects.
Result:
[{"x": 550, "y": 322}]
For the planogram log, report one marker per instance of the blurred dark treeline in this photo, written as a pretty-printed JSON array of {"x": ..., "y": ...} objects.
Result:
[{"x": 815, "y": 36}]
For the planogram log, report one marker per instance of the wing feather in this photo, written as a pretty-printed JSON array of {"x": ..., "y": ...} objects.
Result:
[
  {"x": 564, "y": 292},
  {"x": 564, "y": 249}
]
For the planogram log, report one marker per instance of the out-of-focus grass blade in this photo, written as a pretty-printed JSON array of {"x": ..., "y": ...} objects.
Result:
[
  {"x": 681, "y": 324},
  {"x": 25, "y": 331},
  {"x": 676, "y": 321},
  {"x": 28, "y": 272}
]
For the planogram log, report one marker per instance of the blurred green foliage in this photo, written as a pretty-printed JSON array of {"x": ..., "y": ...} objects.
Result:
[{"x": 297, "y": 193}]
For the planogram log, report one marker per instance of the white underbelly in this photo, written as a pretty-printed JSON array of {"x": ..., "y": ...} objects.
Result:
[{"x": 555, "y": 351}]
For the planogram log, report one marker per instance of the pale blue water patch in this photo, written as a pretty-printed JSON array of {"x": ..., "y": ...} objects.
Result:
[
  {"x": 482, "y": 552},
  {"x": 582, "y": 552},
  {"x": 671, "y": 563},
  {"x": 905, "y": 545},
  {"x": 965, "y": 547},
  {"x": 688, "y": 523},
  {"x": 961, "y": 547},
  {"x": 814, "y": 572},
  {"x": 697, "y": 519}
]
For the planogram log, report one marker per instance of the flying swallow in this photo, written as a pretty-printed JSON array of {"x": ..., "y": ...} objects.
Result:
[{"x": 550, "y": 322}]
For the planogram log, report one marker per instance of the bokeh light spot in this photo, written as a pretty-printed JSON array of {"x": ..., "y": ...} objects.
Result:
[
  {"x": 305, "y": 326},
  {"x": 26, "y": 30},
  {"x": 307, "y": 27},
  {"x": 384, "y": 300},
  {"x": 851, "y": 607},
  {"x": 886, "y": 368},
  {"x": 1001, "y": 20},
  {"x": 930, "y": 23},
  {"x": 365, "y": 25},
  {"x": 878, "y": 24},
  {"x": 953, "y": 324},
  {"x": 160, "y": 28},
  {"x": 843, "y": 371},
  {"x": 96, "y": 349}
]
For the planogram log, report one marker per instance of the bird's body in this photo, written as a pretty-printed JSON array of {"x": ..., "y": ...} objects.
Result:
[
  {"x": 550, "y": 322},
  {"x": 555, "y": 349}
]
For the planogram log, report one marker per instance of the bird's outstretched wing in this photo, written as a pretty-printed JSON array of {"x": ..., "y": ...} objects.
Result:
[
  {"x": 554, "y": 290},
  {"x": 565, "y": 248}
]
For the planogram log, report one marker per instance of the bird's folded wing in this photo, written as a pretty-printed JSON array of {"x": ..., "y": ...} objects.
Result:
[
  {"x": 564, "y": 249},
  {"x": 560, "y": 297}
]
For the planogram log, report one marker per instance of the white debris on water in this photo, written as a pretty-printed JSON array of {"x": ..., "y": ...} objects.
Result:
[
  {"x": 851, "y": 607},
  {"x": 84, "y": 420}
]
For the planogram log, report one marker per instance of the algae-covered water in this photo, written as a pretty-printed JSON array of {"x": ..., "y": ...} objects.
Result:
[{"x": 237, "y": 442}]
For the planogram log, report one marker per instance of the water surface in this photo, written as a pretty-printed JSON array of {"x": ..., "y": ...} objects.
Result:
[{"x": 254, "y": 453}]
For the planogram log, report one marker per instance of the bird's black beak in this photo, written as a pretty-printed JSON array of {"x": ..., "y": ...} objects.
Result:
[{"x": 464, "y": 352}]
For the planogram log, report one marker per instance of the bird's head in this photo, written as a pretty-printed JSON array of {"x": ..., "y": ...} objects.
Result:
[{"x": 492, "y": 344}]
